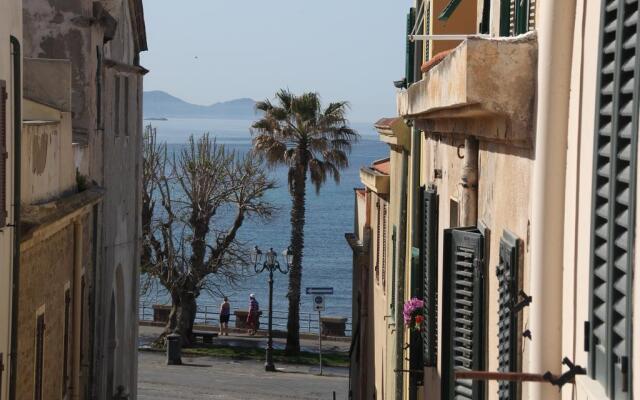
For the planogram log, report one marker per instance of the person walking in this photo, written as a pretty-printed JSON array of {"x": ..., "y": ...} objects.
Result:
[
  {"x": 254, "y": 315},
  {"x": 225, "y": 312}
]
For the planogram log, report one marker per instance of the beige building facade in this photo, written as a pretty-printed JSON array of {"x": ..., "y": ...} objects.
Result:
[
  {"x": 57, "y": 243},
  {"x": 10, "y": 87},
  {"x": 102, "y": 40},
  {"x": 70, "y": 156},
  {"x": 520, "y": 203}
]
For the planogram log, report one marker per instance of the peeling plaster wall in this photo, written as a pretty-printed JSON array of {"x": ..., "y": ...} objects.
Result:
[
  {"x": 48, "y": 169},
  {"x": 55, "y": 29}
]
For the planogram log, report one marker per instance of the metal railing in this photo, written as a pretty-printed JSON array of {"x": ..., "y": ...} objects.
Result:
[{"x": 209, "y": 314}]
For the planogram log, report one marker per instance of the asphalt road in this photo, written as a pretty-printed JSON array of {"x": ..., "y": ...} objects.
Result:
[{"x": 218, "y": 378}]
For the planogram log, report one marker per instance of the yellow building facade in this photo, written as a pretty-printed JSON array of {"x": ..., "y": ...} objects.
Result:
[{"x": 515, "y": 210}]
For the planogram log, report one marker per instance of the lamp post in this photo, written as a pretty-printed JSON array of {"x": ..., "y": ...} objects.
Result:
[{"x": 271, "y": 264}]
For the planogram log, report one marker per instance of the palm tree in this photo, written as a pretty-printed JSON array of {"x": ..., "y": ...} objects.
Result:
[{"x": 299, "y": 133}]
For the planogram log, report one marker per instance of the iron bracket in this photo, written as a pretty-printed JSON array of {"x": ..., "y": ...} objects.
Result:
[{"x": 567, "y": 377}]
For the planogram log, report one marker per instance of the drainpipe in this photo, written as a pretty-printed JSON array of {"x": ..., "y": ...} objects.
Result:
[
  {"x": 416, "y": 277},
  {"x": 469, "y": 183},
  {"x": 555, "y": 39},
  {"x": 400, "y": 277},
  {"x": 17, "y": 133}
]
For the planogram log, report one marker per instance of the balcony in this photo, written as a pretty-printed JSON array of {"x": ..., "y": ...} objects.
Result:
[
  {"x": 376, "y": 177},
  {"x": 484, "y": 87}
]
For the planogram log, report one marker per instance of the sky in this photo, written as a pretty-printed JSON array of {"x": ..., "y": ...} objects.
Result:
[{"x": 206, "y": 51}]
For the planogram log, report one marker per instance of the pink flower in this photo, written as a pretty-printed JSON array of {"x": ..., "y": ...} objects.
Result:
[{"x": 412, "y": 310}]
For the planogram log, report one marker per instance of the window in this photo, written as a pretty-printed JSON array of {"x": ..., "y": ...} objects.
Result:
[
  {"x": 82, "y": 300},
  {"x": 1, "y": 370},
  {"x": 454, "y": 215},
  {"x": 3, "y": 154},
  {"x": 430, "y": 266},
  {"x": 609, "y": 329},
  {"x": 66, "y": 337},
  {"x": 116, "y": 107},
  {"x": 98, "y": 87},
  {"x": 39, "y": 357},
  {"x": 463, "y": 333},
  {"x": 127, "y": 123}
]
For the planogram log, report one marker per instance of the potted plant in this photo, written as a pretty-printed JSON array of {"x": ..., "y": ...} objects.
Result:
[{"x": 413, "y": 314}]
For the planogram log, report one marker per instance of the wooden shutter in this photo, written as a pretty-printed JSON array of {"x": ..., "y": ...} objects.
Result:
[
  {"x": 410, "y": 49},
  {"x": 430, "y": 265},
  {"x": 427, "y": 30},
  {"x": 393, "y": 268},
  {"x": 39, "y": 358},
  {"x": 517, "y": 17},
  {"x": 463, "y": 312},
  {"x": 508, "y": 289},
  {"x": 378, "y": 241},
  {"x": 416, "y": 361},
  {"x": 385, "y": 223},
  {"x": 613, "y": 213},
  {"x": 3, "y": 154}
]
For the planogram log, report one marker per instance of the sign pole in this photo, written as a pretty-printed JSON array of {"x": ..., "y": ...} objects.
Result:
[{"x": 320, "y": 340}]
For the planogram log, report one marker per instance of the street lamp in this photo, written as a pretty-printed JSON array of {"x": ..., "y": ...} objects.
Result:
[{"x": 271, "y": 264}]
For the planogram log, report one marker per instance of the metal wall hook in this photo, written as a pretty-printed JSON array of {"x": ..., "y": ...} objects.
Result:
[{"x": 525, "y": 302}]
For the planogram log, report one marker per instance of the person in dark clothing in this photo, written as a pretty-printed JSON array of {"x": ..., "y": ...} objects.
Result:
[
  {"x": 225, "y": 312},
  {"x": 254, "y": 315}
]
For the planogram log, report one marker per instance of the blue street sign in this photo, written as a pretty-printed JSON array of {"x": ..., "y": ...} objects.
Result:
[{"x": 319, "y": 290}]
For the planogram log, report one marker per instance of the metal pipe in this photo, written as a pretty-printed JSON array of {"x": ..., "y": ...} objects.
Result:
[
  {"x": 555, "y": 41},
  {"x": 416, "y": 277},
  {"x": 504, "y": 376},
  {"x": 17, "y": 151},
  {"x": 413, "y": 38},
  {"x": 400, "y": 277},
  {"x": 469, "y": 183}
]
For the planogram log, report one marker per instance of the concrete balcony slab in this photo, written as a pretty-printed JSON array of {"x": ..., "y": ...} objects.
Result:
[{"x": 485, "y": 87}]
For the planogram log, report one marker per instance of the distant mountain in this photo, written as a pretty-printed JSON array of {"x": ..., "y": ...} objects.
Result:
[{"x": 159, "y": 104}]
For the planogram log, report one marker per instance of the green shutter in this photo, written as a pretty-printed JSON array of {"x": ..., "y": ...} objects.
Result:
[
  {"x": 449, "y": 9},
  {"x": 416, "y": 361},
  {"x": 3, "y": 154},
  {"x": 614, "y": 188},
  {"x": 430, "y": 266},
  {"x": 508, "y": 289},
  {"x": 463, "y": 312},
  {"x": 517, "y": 16},
  {"x": 485, "y": 24},
  {"x": 410, "y": 47},
  {"x": 393, "y": 269}
]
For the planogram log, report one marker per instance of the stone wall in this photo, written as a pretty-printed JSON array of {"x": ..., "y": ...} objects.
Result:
[{"x": 47, "y": 270}]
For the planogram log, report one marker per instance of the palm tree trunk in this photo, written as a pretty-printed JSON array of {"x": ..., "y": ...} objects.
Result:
[{"x": 295, "y": 275}]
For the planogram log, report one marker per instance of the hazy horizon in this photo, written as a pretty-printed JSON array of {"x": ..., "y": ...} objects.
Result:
[{"x": 349, "y": 51}]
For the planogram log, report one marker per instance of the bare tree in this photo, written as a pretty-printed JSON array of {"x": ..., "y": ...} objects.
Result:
[{"x": 194, "y": 204}]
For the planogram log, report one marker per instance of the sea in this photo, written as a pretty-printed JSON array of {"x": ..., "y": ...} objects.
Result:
[{"x": 327, "y": 260}]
